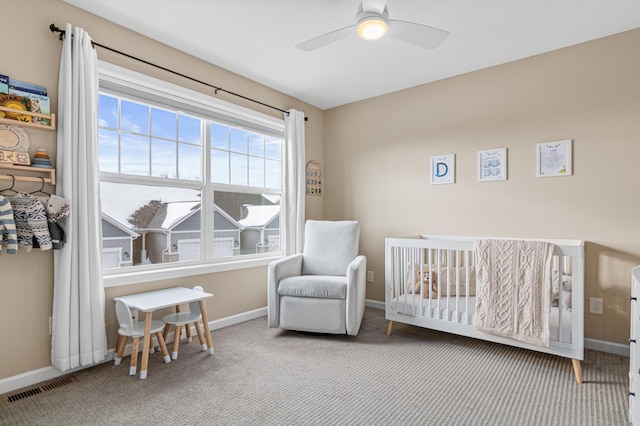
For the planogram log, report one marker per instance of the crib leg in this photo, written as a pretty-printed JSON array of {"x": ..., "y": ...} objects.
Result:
[
  {"x": 577, "y": 370},
  {"x": 389, "y": 325}
]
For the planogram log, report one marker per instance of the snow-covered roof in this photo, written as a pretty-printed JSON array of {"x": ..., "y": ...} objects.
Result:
[
  {"x": 259, "y": 216},
  {"x": 273, "y": 198},
  {"x": 172, "y": 213}
]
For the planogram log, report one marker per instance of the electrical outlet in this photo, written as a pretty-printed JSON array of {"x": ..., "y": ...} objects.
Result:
[
  {"x": 595, "y": 305},
  {"x": 369, "y": 276}
]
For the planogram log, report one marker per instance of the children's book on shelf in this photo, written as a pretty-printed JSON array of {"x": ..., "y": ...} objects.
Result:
[
  {"x": 27, "y": 87},
  {"x": 39, "y": 103},
  {"x": 24, "y": 96},
  {"x": 4, "y": 83},
  {"x": 16, "y": 106}
]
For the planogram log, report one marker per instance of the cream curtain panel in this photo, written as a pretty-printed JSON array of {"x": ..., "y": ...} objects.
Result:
[
  {"x": 294, "y": 181},
  {"x": 78, "y": 331}
]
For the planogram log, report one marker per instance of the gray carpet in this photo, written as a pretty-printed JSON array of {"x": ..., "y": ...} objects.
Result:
[{"x": 260, "y": 376}]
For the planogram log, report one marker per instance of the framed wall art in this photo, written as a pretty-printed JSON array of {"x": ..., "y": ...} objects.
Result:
[
  {"x": 314, "y": 178},
  {"x": 554, "y": 159},
  {"x": 443, "y": 169},
  {"x": 492, "y": 165},
  {"x": 14, "y": 145}
]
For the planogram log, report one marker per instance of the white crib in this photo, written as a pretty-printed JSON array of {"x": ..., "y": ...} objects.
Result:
[{"x": 448, "y": 302}]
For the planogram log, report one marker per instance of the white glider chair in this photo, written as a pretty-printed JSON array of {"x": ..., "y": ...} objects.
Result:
[
  {"x": 135, "y": 329},
  {"x": 184, "y": 320},
  {"x": 321, "y": 290}
]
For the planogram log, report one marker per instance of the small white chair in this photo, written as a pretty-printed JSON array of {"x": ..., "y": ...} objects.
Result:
[
  {"x": 183, "y": 320},
  {"x": 135, "y": 330}
]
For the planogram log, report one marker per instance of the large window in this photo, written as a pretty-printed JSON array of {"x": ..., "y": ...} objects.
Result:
[{"x": 185, "y": 179}]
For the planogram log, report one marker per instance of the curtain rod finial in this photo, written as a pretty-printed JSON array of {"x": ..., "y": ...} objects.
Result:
[{"x": 55, "y": 29}]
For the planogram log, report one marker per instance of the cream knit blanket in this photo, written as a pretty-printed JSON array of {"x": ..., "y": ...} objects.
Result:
[{"x": 513, "y": 289}]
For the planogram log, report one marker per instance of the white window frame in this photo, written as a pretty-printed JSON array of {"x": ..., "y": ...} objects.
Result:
[{"x": 114, "y": 74}]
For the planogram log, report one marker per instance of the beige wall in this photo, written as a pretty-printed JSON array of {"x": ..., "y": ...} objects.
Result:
[
  {"x": 378, "y": 151},
  {"x": 32, "y": 53}
]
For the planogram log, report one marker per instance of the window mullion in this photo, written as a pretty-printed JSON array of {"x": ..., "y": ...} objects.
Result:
[
  {"x": 119, "y": 135},
  {"x": 207, "y": 194},
  {"x": 150, "y": 142},
  {"x": 177, "y": 139}
]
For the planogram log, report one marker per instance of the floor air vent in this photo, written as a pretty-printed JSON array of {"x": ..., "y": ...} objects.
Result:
[{"x": 37, "y": 389}]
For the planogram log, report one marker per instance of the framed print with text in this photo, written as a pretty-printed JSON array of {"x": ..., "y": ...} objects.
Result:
[
  {"x": 553, "y": 159},
  {"x": 492, "y": 165},
  {"x": 443, "y": 169},
  {"x": 314, "y": 178}
]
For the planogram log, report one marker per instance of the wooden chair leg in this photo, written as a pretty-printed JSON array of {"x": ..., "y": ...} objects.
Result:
[
  {"x": 118, "y": 336},
  {"x": 163, "y": 348},
  {"x": 176, "y": 342},
  {"x": 389, "y": 325},
  {"x": 205, "y": 326},
  {"x": 120, "y": 344},
  {"x": 165, "y": 332},
  {"x": 134, "y": 356},
  {"x": 200, "y": 336},
  {"x": 577, "y": 370},
  {"x": 187, "y": 332}
]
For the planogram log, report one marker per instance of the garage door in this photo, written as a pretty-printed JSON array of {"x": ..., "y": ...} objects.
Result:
[
  {"x": 111, "y": 258},
  {"x": 189, "y": 250},
  {"x": 223, "y": 247}
]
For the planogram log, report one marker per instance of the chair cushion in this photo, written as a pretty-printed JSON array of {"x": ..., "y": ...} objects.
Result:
[
  {"x": 324, "y": 287},
  {"x": 329, "y": 246}
]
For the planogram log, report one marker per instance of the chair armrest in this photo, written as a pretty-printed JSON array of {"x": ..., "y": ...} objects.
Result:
[
  {"x": 356, "y": 293},
  {"x": 289, "y": 266}
]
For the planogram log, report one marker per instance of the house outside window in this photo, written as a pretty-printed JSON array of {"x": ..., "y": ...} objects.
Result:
[{"x": 188, "y": 179}]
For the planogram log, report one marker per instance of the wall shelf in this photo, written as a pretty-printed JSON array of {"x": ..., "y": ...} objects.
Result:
[
  {"x": 10, "y": 122},
  {"x": 51, "y": 179}
]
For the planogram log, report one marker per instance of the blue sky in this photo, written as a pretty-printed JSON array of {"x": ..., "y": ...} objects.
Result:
[{"x": 162, "y": 143}]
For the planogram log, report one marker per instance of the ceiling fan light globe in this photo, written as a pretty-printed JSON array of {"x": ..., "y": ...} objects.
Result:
[{"x": 372, "y": 28}]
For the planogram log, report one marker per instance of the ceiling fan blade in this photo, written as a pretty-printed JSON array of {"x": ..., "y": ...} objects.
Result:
[
  {"x": 328, "y": 38},
  {"x": 419, "y": 35}
]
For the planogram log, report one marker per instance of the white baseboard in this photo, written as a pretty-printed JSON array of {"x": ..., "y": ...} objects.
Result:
[
  {"x": 237, "y": 319},
  {"x": 44, "y": 374},
  {"x": 374, "y": 304},
  {"x": 608, "y": 347},
  {"x": 40, "y": 375}
]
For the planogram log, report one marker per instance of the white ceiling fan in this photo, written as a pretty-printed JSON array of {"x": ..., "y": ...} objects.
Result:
[{"x": 372, "y": 23}]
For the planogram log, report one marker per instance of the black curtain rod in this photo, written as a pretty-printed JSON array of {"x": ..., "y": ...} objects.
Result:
[{"x": 61, "y": 32}]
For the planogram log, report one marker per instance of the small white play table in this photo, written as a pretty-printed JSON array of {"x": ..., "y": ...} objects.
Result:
[{"x": 150, "y": 301}]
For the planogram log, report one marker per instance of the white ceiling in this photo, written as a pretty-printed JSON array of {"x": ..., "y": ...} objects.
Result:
[{"x": 256, "y": 38}]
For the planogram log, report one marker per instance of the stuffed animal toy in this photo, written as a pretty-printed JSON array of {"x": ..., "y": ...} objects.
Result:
[
  {"x": 555, "y": 290},
  {"x": 423, "y": 277},
  {"x": 429, "y": 280}
]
